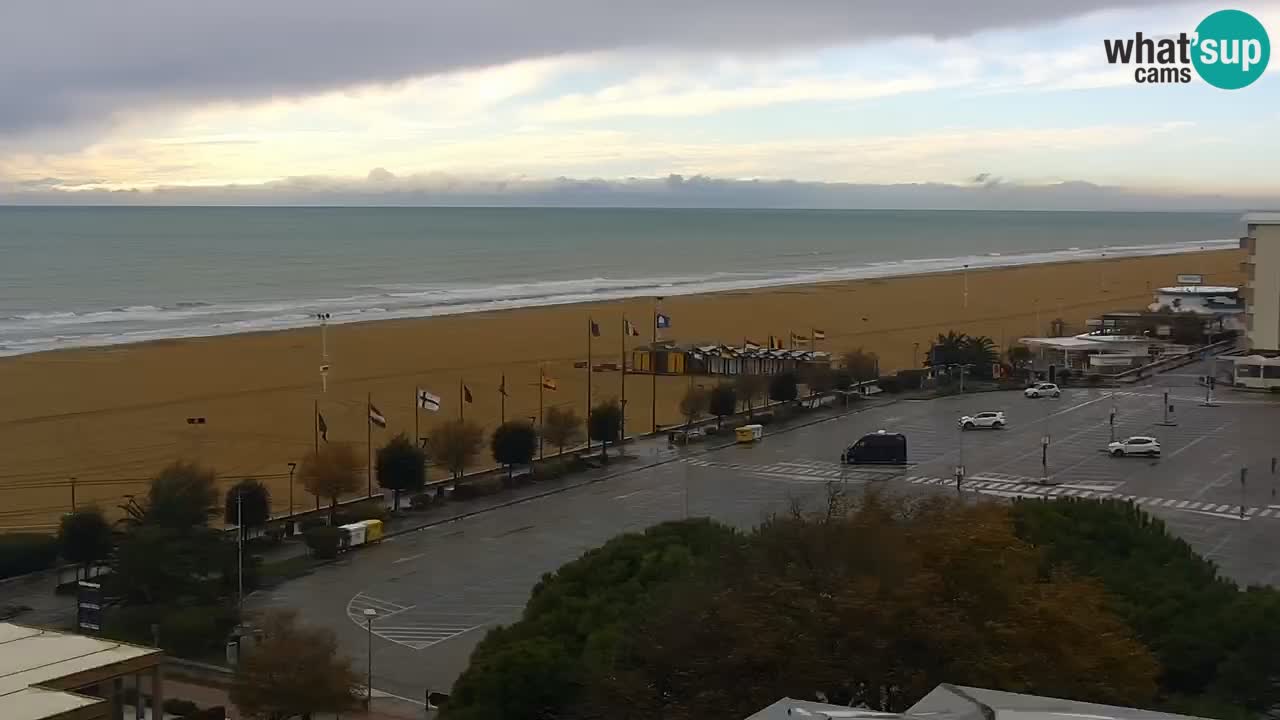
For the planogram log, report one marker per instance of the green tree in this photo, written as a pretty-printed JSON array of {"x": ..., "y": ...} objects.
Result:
[
  {"x": 782, "y": 387},
  {"x": 454, "y": 444},
  {"x": 183, "y": 495},
  {"x": 295, "y": 671},
  {"x": 861, "y": 364},
  {"x": 331, "y": 472},
  {"x": 157, "y": 565},
  {"x": 401, "y": 467},
  {"x": 749, "y": 388},
  {"x": 693, "y": 404},
  {"x": 1206, "y": 634},
  {"x": 561, "y": 427},
  {"x": 605, "y": 424},
  {"x": 575, "y": 619},
  {"x": 248, "y": 506},
  {"x": 873, "y": 608},
  {"x": 722, "y": 401},
  {"x": 818, "y": 378},
  {"x": 954, "y": 348},
  {"x": 85, "y": 537},
  {"x": 514, "y": 443}
]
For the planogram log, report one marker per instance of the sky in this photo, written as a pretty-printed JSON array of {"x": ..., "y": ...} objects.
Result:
[{"x": 822, "y": 103}]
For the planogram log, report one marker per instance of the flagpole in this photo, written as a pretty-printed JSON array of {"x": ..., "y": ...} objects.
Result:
[
  {"x": 502, "y": 403},
  {"x": 368, "y": 437},
  {"x": 315, "y": 426},
  {"x": 417, "y": 436},
  {"x": 590, "y": 325},
  {"x": 542, "y": 379},
  {"x": 622, "y": 419},
  {"x": 462, "y": 401},
  {"x": 653, "y": 373}
]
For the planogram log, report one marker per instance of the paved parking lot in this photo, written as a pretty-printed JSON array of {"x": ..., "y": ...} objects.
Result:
[{"x": 437, "y": 591}]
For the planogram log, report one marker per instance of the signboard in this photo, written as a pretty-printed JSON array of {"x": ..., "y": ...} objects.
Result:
[
  {"x": 1190, "y": 279},
  {"x": 89, "y": 607}
]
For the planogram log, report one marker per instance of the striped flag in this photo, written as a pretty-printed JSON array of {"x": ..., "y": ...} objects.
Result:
[
  {"x": 376, "y": 417},
  {"x": 819, "y": 334},
  {"x": 798, "y": 338},
  {"x": 630, "y": 328},
  {"x": 466, "y": 394},
  {"x": 548, "y": 383},
  {"x": 580, "y": 365}
]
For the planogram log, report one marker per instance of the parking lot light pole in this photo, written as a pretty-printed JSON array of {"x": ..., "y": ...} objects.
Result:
[
  {"x": 369, "y": 615},
  {"x": 1244, "y": 472}
]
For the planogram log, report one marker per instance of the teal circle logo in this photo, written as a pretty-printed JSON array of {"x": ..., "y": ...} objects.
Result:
[{"x": 1232, "y": 49}]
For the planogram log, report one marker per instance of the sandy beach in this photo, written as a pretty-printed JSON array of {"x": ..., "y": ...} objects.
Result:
[{"x": 110, "y": 417}]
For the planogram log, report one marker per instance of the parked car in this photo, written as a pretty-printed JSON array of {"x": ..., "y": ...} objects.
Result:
[
  {"x": 992, "y": 419},
  {"x": 877, "y": 448},
  {"x": 1040, "y": 390},
  {"x": 1136, "y": 445}
]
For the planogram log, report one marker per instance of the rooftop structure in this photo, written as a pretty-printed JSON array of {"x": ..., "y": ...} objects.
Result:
[
  {"x": 47, "y": 675},
  {"x": 1262, "y": 287}
]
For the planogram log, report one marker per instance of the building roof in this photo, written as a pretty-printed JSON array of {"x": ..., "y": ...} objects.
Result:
[
  {"x": 792, "y": 709},
  {"x": 956, "y": 702},
  {"x": 1198, "y": 290},
  {"x": 1262, "y": 218},
  {"x": 31, "y": 657}
]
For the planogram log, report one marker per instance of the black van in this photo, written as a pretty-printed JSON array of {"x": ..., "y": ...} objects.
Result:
[{"x": 877, "y": 448}]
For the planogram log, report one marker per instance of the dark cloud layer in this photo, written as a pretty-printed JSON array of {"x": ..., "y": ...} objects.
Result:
[
  {"x": 385, "y": 188},
  {"x": 68, "y": 62}
]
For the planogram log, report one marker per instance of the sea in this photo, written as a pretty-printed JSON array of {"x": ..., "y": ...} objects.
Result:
[{"x": 95, "y": 276}]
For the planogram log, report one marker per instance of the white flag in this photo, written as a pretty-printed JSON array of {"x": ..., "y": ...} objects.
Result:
[{"x": 427, "y": 401}]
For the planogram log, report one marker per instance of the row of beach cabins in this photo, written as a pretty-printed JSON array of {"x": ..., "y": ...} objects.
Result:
[{"x": 666, "y": 358}]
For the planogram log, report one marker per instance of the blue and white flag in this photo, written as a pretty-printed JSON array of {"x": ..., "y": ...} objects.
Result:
[{"x": 662, "y": 321}]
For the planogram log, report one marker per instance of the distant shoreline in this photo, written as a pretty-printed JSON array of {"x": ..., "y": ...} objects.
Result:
[{"x": 51, "y": 332}]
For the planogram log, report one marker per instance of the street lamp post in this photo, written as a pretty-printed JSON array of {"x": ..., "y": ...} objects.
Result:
[
  {"x": 240, "y": 546},
  {"x": 292, "y": 466},
  {"x": 369, "y": 615}
]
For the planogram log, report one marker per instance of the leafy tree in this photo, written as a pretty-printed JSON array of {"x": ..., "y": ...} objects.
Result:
[
  {"x": 561, "y": 427},
  {"x": 818, "y": 377},
  {"x": 782, "y": 387},
  {"x": 722, "y": 401},
  {"x": 85, "y": 537},
  {"x": 182, "y": 496},
  {"x": 1208, "y": 636},
  {"x": 455, "y": 444},
  {"x": 156, "y": 565},
  {"x": 575, "y": 619},
  {"x": 749, "y": 387},
  {"x": 295, "y": 671},
  {"x": 332, "y": 472},
  {"x": 514, "y": 443},
  {"x": 605, "y": 424},
  {"x": 871, "y": 608},
  {"x": 962, "y": 349},
  {"x": 1019, "y": 355},
  {"x": 693, "y": 404},
  {"x": 861, "y": 364},
  {"x": 253, "y": 509},
  {"x": 401, "y": 467}
]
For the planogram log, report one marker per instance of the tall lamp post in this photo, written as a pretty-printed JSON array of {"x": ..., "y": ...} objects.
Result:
[
  {"x": 369, "y": 615},
  {"x": 292, "y": 466}
]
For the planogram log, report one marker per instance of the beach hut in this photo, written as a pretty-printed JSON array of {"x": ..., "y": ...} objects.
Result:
[{"x": 662, "y": 359}]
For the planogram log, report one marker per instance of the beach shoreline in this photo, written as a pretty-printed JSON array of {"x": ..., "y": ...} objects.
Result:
[{"x": 112, "y": 416}]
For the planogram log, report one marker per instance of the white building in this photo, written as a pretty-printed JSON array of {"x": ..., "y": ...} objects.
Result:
[{"x": 1262, "y": 289}]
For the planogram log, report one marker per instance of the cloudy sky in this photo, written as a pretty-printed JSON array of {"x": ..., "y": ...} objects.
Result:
[{"x": 804, "y": 102}]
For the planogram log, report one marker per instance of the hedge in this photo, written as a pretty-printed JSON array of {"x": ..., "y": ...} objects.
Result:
[
  {"x": 22, "y": 553},
  {"x": 323, "y": 542}
]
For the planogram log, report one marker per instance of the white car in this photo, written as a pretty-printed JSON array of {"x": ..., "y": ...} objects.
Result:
[
  {"x": 1137, "y": 445},
  {"x": 993, "y": 420},
  {"x": 1040, "y": 390}
]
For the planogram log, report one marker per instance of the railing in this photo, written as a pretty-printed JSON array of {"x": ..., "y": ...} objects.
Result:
[{"x": 1176, "y": 361}]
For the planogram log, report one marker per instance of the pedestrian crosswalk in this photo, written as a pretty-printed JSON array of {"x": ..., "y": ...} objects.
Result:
[
  {"x": 1006, "y": 488},
  {"x": 416, "y": 635}
]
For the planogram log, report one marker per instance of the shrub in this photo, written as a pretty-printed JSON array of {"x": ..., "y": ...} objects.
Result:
[
  {"x": 360, "y": 511},
  {"x": 22, "y": 553},
  {"x": 197, "y": 630},
  {"x": 890, "y": 384},
  {"x": 912, "y": 379},
  {"x": 422, "y": 501},
  {"x": 174, "y": 706},
  {"x": 764, "y": 418},
  {"x": 476, "y": 489},
  {"x": 1065, "y": 375},
  {"x": 323, "y": 542}
]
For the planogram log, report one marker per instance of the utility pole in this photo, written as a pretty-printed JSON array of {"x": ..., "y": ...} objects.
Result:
[
  {"x": 1112, "y": 419},
  {"x": 73, "y": 486},
  {"x": 1244, "y": 471},
  {"x": 240, "y": 546}
]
